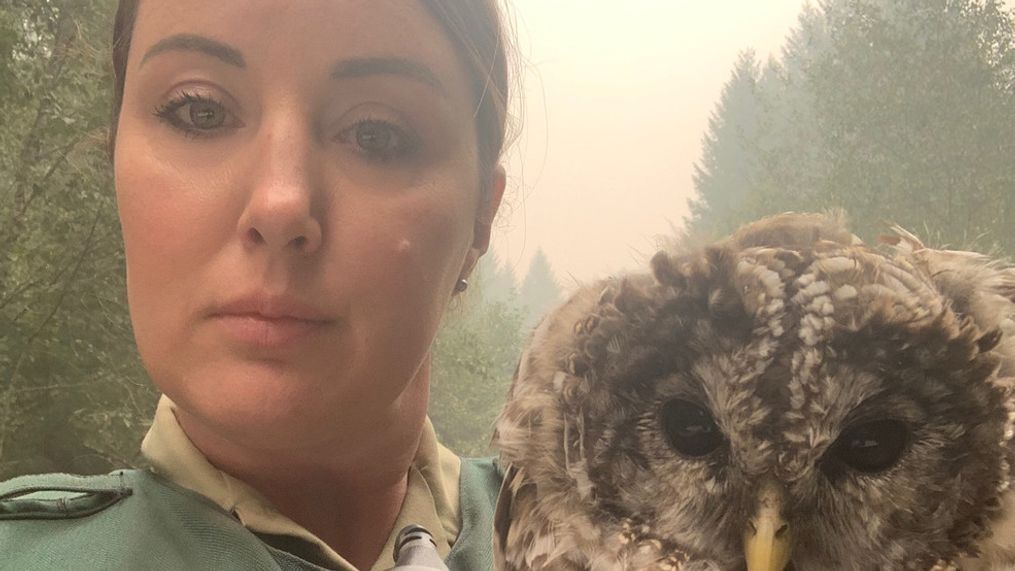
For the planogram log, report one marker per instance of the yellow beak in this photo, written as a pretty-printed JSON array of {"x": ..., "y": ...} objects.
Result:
[{"x": 767, "y": 539}]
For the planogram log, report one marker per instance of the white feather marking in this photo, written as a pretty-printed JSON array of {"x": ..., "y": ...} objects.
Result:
[
  {"x": 845, "y": 293},
  {"x": 558, "y": 381},
  {"x": 837, "y": 264},
  {"x": 815, "y": 289},
  {"x": 579, "y": 473},
  {"x": 614, "y": 346}
]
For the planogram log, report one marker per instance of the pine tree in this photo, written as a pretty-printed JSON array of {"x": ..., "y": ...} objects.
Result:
[
  {"x": 917, "y": 119},
  {"x": 792, "y": 158},
  {"x": 495, "y": 280},
  {"x": 727, "y": 172},
  {"x": 504, "y": 285},
  {"x": 893, "y": 110},
  {"x": 540, "y": 291}
]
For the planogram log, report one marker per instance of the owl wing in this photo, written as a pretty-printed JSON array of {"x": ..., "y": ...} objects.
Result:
[
  {"x": 540, "y": 523},
  {"x": 527, "y": 535},
  {"x": 530, "y": 534},
  {"x": 517, "y": 522},
  {"x": 984, "y": 290}
]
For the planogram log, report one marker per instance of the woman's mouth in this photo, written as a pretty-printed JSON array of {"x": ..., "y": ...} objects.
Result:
[{"x": 267, "y": 332}]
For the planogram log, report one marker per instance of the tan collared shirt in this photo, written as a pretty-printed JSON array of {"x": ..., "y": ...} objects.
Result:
[{"x": 431, "y": 498}]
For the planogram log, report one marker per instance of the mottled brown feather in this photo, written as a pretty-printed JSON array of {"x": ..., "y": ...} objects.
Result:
[{"x": 787, "y": 331}]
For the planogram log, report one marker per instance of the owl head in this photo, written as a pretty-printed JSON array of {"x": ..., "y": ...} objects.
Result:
[{"x": 786, "y": 398}]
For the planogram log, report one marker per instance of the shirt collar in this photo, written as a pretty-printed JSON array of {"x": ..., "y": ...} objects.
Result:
[{"x": 431, "y": 500}]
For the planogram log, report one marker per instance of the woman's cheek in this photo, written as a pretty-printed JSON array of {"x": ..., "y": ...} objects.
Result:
[
  {"x": 170, "y": 230},
  {"x": 163, "y": 209},
  {"x": 421, "y": 249}
]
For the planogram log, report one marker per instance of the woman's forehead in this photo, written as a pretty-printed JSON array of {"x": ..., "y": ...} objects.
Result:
[{"x": 315, "y": 35}]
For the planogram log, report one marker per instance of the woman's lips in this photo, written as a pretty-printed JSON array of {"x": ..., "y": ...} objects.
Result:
[{"x": 267, "y": 332}]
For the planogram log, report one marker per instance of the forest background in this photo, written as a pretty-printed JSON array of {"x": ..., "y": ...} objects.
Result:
[{"x": 891, "y": 110}]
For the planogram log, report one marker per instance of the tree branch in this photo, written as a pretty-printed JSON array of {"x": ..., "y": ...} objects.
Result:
[{"x": 89, "y": 242}]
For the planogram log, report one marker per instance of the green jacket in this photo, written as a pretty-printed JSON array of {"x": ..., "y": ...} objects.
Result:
[{"x": 134, "y": 519}]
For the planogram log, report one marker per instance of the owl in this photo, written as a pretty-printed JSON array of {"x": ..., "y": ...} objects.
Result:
[{"x": 786, "y": 398}]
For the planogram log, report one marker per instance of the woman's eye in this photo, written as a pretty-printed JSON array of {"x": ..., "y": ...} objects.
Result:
[
  {"x": 690, "y": 428},
  {"x": 380, "y": 140},
  {"x": 196, "y": 115},
  {"x": 872, "y": 446},
  {"x": 206, "y": 115}
]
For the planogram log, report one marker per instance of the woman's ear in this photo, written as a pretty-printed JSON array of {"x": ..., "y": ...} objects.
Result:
[{"x": 484, "y": 219}]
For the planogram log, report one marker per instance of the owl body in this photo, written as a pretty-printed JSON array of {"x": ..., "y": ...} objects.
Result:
[{"x": 788, "y": 394}]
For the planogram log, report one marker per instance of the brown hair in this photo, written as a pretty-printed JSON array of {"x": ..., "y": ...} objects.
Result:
[{"x": 475, "y": 27}]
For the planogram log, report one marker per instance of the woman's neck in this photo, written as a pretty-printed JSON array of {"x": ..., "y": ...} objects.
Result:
[
  {"x": 353, "y": 513},
  {"x": 349, "y": 492}
]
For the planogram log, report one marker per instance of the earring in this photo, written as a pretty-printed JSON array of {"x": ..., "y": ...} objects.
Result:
[{"x": 461, "y": 286}]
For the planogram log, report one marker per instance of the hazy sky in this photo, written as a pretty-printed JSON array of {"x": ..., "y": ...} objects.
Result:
[{"x": 616, "y": 101}]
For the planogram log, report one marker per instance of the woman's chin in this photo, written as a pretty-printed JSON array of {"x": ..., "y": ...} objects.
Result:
[{"x": 254, "y": 403}]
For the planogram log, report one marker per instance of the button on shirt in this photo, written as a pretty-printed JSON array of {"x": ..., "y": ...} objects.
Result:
[{"x": 431, "y": 498}]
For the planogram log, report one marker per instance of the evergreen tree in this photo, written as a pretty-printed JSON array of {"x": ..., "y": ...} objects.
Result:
[
  {"x": 793, "y": 161},
  {"x": 916, "y": 117},
  {"x": 540, "y": 291},
  {"x": 494, "y": 280},
  {"x": 726, "y": 175},
  {"x": 893, "y": 110},
  {"x": 504, "y": 285}
]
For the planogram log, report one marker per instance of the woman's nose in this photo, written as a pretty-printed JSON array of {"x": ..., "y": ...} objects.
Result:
[{"x": 282, "y": 212}]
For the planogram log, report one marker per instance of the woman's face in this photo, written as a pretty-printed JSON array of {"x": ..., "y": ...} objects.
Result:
[{"x": 298, "y": 190}]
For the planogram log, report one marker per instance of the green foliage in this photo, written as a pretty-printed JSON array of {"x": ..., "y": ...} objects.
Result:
[
  {"x": 473, "y": 361},
  {"x": 893, "y": 110},
  {"x": 65, "y": 346}
]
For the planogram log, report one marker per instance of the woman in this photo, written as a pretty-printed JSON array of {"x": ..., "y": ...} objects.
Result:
[{"x": 302, "y": 187}]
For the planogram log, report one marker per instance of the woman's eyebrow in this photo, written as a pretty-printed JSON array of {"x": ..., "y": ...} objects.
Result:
[
  {"x": 346, "y": 69},
  {"x": 199, "y": 44},
  {"x": 364, "y": 67}
]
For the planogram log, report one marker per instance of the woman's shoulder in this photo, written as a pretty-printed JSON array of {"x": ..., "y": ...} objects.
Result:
[
  {"x": 125, "y": 519},
  {"x": 137, "y": 519},
  {"x": 481, "y": 479},
  {"x": 479, "y": 487}
]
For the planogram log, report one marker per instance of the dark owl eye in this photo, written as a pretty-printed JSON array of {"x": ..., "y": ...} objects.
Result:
[
  {"x": 689, "y": 428},
  {"x": 872, "y": 446}
]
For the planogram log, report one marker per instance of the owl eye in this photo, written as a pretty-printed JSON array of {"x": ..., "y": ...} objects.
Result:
[
  {"x": 690, "y": 428},
  {"x": 872, "y": 446}
]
